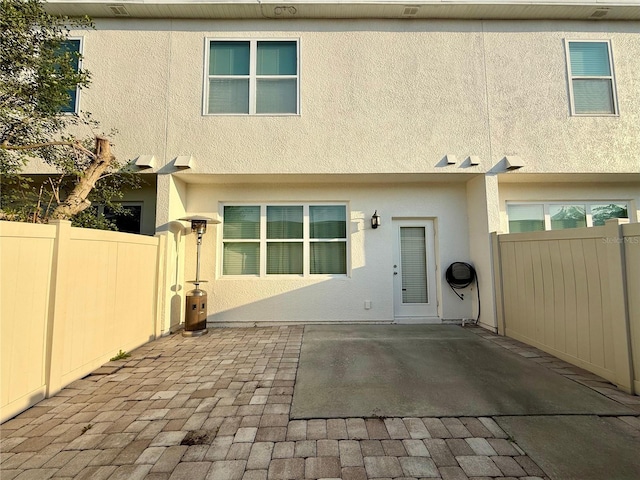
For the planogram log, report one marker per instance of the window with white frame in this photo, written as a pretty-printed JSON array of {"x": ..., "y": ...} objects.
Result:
[
  {"x": 70, "y": 49},
  {"x": 533, "y": 217},
  {"x": 252, "y": 77},
  {"x": 591, "y": 81},
  {"x": 307, "y": 239}
]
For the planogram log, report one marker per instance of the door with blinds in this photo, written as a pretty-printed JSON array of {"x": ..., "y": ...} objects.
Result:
[{"x": 414, "y": 272}]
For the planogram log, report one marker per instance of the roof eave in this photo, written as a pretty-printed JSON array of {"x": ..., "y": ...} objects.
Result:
[{"x": 596, "y": 10}]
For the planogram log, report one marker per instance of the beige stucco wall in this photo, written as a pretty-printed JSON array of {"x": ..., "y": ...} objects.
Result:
[
  {"x": 278, "y": 299},
  {"x": 145, "y": 195},
  {"x": 529, "y": 105},
  {"x": 376, "y": 96},
  {"x": 482, "y": 213}
]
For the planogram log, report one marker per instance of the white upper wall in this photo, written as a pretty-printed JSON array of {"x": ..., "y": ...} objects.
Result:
[{"x": 379, "y": 96}]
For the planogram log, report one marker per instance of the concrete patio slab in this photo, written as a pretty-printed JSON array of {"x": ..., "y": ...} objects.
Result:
[
  {"x": 217, "y": 407},
  {"x": 427, "y": 370},
  {"x": 578, "y": 447}
]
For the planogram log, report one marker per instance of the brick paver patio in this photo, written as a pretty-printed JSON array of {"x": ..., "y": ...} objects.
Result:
[{"x": 217, "y": 408}]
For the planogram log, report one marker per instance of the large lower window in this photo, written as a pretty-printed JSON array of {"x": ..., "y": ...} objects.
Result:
[
  {"x": 284, "y": 240},
  {"x": 591, "y": 81},
  {"x": 531, "y": 217},
  {"x": 252, "y": 77}
]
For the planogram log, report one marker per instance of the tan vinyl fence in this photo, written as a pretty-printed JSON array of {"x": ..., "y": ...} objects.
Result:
[
  {"x": 71, "y": 298},
  {"x": 574, "y": 293}
]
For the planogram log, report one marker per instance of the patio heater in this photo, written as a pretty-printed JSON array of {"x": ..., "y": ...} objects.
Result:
[{"x": 195, "y": 320}]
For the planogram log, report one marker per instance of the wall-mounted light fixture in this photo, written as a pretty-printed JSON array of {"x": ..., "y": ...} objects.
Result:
[
  {"x": 195, "y": 322},
  {"x": 375, "y": 220}
]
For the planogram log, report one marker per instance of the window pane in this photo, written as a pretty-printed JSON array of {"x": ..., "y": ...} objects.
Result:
[
  {"x": 602, "y": 213},
  {"x": 414, "y": 265},
  {"x": 228, "y": 96},
  {"x": 71, "y": 106},
  {"x": 567, "y": 216},
  {"x": 241, "y": 259},
  {"x": 229, "y": 58},
  {"x": 277, "y": 96},
  {"x": 277, "y": 58},
  {"x": 327, "y": 221},
  {"x": 525, "y": 218},
  {"x": 284, "y": 222},
  {"x": 284, "y": 258},
  {"x": 241, "y": 222},
  {"x": 71, "y": 47},
  {"x": 593, "y": 96},
  {"x": 589, "y": 58},
  {"x": 328, "y": 257}
]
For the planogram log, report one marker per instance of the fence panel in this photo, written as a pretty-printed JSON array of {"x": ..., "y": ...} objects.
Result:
[
  {"x": 71, "y": 299},
  {"x": 564, "y": 292},
  {"x": 26, "y": 256},
  {"x": 110, "y": 295},
  {"x": 631, "y": 238}
]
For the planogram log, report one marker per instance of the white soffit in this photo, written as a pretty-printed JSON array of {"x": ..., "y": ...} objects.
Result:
[
  {"x": 277, "y": 180},
  {"x": 475, "y": 9},
  {"x": 557, "y": 178}
]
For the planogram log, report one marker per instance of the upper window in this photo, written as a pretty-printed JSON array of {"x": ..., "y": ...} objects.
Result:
[
  {"x": 533, "y": 217},
  {"x": 252, "y": 77},
  {"x": 284, "y": 240},
  {"x": 72, "y": 47},
  {"x": 591, "y": 80}
]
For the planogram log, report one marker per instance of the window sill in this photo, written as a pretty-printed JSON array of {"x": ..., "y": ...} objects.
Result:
[
  {"x": 251, "y": 115},
  {"x": 610, "y": 115},
  {"x": 284, "y": 277}
]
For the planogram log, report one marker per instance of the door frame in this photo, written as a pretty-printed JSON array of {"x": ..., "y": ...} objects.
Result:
[{"x": 432, "y": 313}]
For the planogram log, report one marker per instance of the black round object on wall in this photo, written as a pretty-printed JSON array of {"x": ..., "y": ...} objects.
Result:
[{"x": 460, "y": 275}]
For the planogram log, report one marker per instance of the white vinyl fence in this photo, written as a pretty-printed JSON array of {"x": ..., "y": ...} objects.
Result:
[
  {"x": 71, "y": 298},
  {"x": 574, "y": 293}
]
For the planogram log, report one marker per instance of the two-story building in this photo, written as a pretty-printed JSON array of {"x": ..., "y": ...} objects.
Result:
[{"x": 294, "y": 123}]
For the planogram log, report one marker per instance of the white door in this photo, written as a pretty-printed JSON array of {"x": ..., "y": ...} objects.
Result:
[{"x": 414, "y": 272}]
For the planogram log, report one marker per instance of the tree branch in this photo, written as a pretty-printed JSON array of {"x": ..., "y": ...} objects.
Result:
[
  {"x": 77, "y": 200},
  {"x": 34, "y": 146}
]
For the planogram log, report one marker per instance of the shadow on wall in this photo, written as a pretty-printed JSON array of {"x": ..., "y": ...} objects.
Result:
[
  {"x": 176, "y": 230},
  {"x": 326, "y": 300},
  {"x": 366, "y": 296}
]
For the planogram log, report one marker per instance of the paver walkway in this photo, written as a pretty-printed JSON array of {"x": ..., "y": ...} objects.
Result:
[{"x": 217, "y": 408}]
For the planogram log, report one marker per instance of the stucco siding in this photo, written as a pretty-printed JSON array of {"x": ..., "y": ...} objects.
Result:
[
  {"x": 376, "y": 96},
  {"x": 370, "y": 272},
  {"x": 529, "y": 98}
]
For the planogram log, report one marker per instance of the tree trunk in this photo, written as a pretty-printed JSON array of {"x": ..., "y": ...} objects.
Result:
[{"x": 77, "y": 201}]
